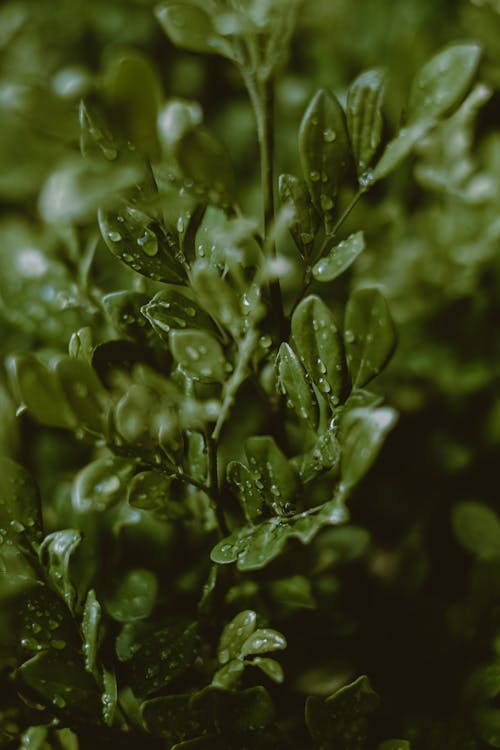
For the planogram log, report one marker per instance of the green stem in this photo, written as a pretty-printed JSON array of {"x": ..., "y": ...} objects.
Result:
[{"x": 213, "y": 484}]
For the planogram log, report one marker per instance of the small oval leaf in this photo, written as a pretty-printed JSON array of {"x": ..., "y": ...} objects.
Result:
[
  {"x": 364, "y": 115},
  {"x": 339, "y": 258}
]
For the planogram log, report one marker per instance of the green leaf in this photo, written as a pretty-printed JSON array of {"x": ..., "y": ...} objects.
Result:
[
  {"x": 443, "y": 82},
  {"x": 20, "y": 507},
  {"x": 45, "y": 623},
  {"x": 133, "y": 89},
  {"x": 81, "y": 344},
  {"x": 235, "y": 711},
  {"x": 205, "y": 165},
  {"x": 271, "y": 469},
  {"x": 325, "y": 152},
  {"x": 339, "y": 258},
  {"x": 320, "y": 347},
  {"x": 142, "y": 244},
  {"x": 96, "y": 140},
  {"x": 55, "y": 553},
  {"x": 235, "y": 634},
  {"x": 150, "y": 490},
  {"x": 398, "y": 149},
  {"x": 199, "y": 354},
  {"x": 217, "y": 297},
  {"x": 190, "y": 27},
  {"x": 262, "y": 641},
  {"x": 125, "y": 311},
  {"x": 109, "y": 696},
  {"x": 323, "y": 456},
  {"x": 175, "y": 308},
  {"x": 294, "y": 591},
  {"x": 369, "y": 334},
  {"x": 39, "y": 390},
  {"x": 83, "y": 391},
  {"x": 270, "y": 667},
  {"x": 364, "y": 115},
  {"x": 250, "y": 496},
  {"x": 477, "y": 528},
  {"x": 363, "y": 433},
  {"x": 133, "y": 596},
  {"x": 229, "y": 675},
  {"x": 394, "y": 745},
  {"x": 100, "y": 484},
  {"x": 305, "y": 223},
  {"x": 342, "y": 720},
  {"x": 295, "y": 385},
  {"x": 91, "y": 621},
  {"x": 62, "y": 683}
]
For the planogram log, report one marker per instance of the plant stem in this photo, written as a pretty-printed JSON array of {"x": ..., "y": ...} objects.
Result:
[{"x": 213, "y": 485}]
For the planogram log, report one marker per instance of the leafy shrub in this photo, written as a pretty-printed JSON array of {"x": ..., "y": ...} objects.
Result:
[{"x": 200, "y": 545}]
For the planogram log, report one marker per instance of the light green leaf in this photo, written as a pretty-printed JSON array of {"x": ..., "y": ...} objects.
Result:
[
  {"x": 272, "y": 472},
  {"x": 217, "y": 297},
  {"x": 39, "y": 390},
  {"x": 200, "y": 354},
  {"x": 175, "y": 308},
  {"x": 477, "y": 528},
  {"x": 295, "y": 385},
  {"x": 262, "y": 641},
  {"x": 55, "y": 553},
  {"x": 339, "y": 258},
  {"x": 305, "y": 223},
  {"x": 235, "y": 634},
  {"x": 364, "y": 115},
  {"x": 20, "y": 507},
  {"x": 443, "y": 82},
  {"x": 133, "y": 597},
  {"x": 190, "y": 27},
  {"x": 270, "y": 667},
  {"x": 363, "y": 433},
  {"x": 100, "y": 484},
  {"x": 81, "y": 344},
  {"x": 91, "y": 620},
  {"x": 229, "y": 675},
  {"x": 250, "y": 496},
  {"x": 150, "y": 490},
  {"x": 369, "y": 335},
  {"x": 320, "y": 347},
  {"x": 142, "y": 244},
  {"x": 398, "y": 149},
  {"x": 325, "y": 152}
]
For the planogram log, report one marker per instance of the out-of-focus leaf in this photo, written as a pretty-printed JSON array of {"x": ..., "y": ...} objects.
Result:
[
  {"x": 20, "y": 508},
  {"x": 91, "y": 620},
  {"x": 55, "y": 552},
  {"x": 101, "y": 484},
  {"x": 250, "y": 496},
  {"x": 217, "y": 297},
  {"x": 200, "y": 354},
  {"x": 133, "y": 596},
  {"x": 477, "y": 528},
  {"x": 175, "y": 308},
  {"x": 39, "y": 390},
  {"x": 189, "y": 26}
]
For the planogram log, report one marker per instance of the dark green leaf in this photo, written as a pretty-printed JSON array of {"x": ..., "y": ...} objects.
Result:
[
  {"x": 20, "y": 508},
  {"x": 125, "y": 310},
  {"x": 45, "y": 623},
  {"x": 91, "y": 620},
  {"x": 364, "y": 115},
  {"x": 250, "y": 496},
  {"x": 363, "y": 433},
  {"x": 443, "y": 82},
  {"x": 142, "y": 244},
  {"x": 369, "y": 335},
  {"x": 200, "y": 354},
  {"x": 101, "y": 484},
  {"x": 172, "y": 717},
  {"x": 96, "y": 139},
  {"x": 252, "y": 548},
  {"x": 263, "y": 640},
  {"x": 175, "y": 308},
  {"x": 477, "y": 528},
  {"x": 342, "y": 720},
  {"x": 235, "y": 712},
  {"x": 339, "y": 258},
  {"x": 272, "y": 473},
  {"x": 394, "y": 745},
  {"x": 228, "y": 676},
  {"x": 320, "y": 346},
  {"x": 270, "y": 667},
  {"x": 217, "y": 297},
  {"x": 133, "y": 596},
  {"x": 235, "y": 634},
  {"x": 55, "y": 553},
  {"x": 305, "y": 223},
  {"x": 83, "y": 391},
  {"x": 295, "y": 385},
  {"x": 294, "y": 591},
  {"x": 190, "y": 27},
  {"x": 40, "y": 391},
  {"x": 325, "y": 152},
  {"x": 205, "y": 165}
]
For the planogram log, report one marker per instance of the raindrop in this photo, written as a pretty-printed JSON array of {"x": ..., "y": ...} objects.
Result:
[
  {"x": 148, "y": 243},
  {"x": 314, "y": 175},
  {"x": 114, "y": 236},
  {"x": 329, "y": 135}
]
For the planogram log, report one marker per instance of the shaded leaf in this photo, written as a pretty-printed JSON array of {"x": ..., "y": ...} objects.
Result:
[
  {"x": 39, "y": 390},
  {"x": 190, "y": 27},
  {"x": 175, "y": 308},
  {"x": 250, "y": 496},
  {"x": 55, "y": 553},
  {"x": 205, "y": 165},
  {"x": 217, "y": 297},
  {"x": 262, "y": 641},
  {"x": 20, "y": 507},
  {"x": 363, "y": 433},
  {"x": 339, "y": 258},
  {"x": 200, "y": 354},
  {"x": 133, "y": 596},
  {"x": 124, "y": 309},
  {"x": 369, "y": 335},
  {"x": 305, "y": 223},
  {"x": 270, "y": 667},
  {"x": 271, "y": 469},
  {"x": 364, "y": 115},
  {"x": 96, "y": 139},
  {"x": 84, "y": 393},
  {"x": 91, "y": 620},
  {"x": 477, "y": 528},
  {"x": 150, "y": 490},
  {"x": 323, "y": 456},
  {"x": 294, "y": 384},
  {"x": 235, "y": 634},
  {"x": 100, "y": 484}
]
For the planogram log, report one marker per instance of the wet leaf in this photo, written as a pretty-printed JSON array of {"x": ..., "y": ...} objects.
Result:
[
  {"x": 250, "y": 496},
  {"x": 229, "y": 675},
  {"x": 294, "y": 591},
  {"x": 339, "y": 258},
  {"x": 272, "y": 473},
  {"x": 443, "y": 82},
  {"x": 364, "y": 115},
  {"x": 124, "y": 310},
  {"x": 363, "y": 433},
  {"x": 142, "y": 244},
  {"x": 133, "y": 596},
  {"x": 149, "y": 490},
  {"x": 91, "y": 621},
  {"x": 217, "y": 297},
  {"x": 39, "y": 390},
  {"x": 100, "y": 484},
  {"x": 109, "y": 696},
  {"x": 84, "y": 393},
  {"x": 205, "y": 165},
  {"x": 342, "y": 720},
  {"x": 319, "y": 346},
  {"x": 20, "y": 507},
  {"x": 200, "y": 354},
  {"x": 270, "y": 667},
  {"x": 295, "y": 385},
  {"x": 477, "y": 528},
  {"x": 96, "y": 139},
  {"x": 394, "y": 745},
  {"x": 190, "y": 27},
  {"x": 235, "y": 634},
  {"x": 262, "y": 641},
  {"x": 175, "y": 308},
  {"x": 325, "y": 152},
  {"x": 55, "y": 553},
  {"x": 369, "y": 335},
  {"x": 305, "y": 222}
]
